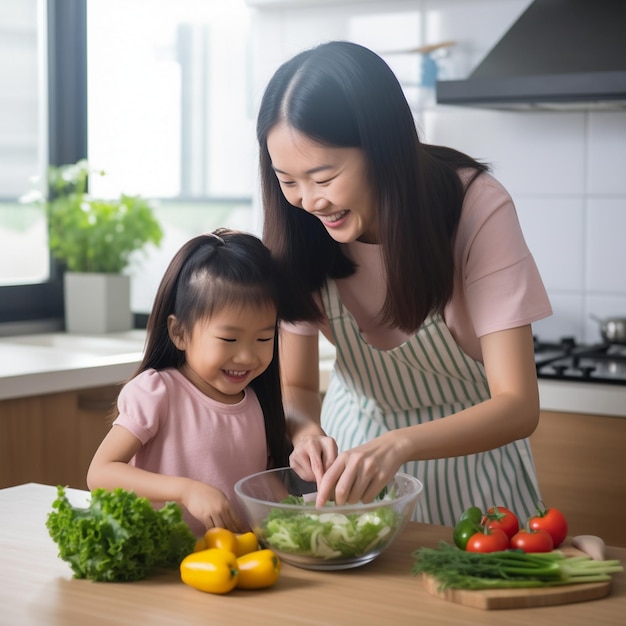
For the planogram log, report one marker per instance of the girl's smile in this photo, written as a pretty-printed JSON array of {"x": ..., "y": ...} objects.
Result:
[{"x": 236, "y": 377}]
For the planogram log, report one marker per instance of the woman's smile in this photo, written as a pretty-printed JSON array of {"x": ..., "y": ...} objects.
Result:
[{"x": 333, "y": 218}]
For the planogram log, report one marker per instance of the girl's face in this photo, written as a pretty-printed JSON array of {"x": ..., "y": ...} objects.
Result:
[
  {"x": 228, "y": 350},
  {"x": 330, "y": 183}
]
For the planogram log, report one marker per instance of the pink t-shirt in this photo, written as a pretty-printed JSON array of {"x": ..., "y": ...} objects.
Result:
[
  {"x": 496, "y": 285},
  {"x": 186, "y": 433}
]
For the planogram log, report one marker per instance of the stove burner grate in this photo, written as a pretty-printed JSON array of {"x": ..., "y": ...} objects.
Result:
[{"x": 568, "y": 360}]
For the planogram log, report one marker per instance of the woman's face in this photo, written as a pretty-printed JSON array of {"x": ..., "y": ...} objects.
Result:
[{"x": 330, "y": 183}]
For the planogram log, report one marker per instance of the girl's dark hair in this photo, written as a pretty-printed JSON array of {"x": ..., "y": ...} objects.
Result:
[
  {"x": 209, "y": 272},
  {"x": 341, "y": 94}
]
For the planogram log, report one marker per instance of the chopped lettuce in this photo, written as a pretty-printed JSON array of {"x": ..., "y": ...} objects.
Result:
[
  {"x": 328, "y": 534},
  {"x": 119, "y": 536}
]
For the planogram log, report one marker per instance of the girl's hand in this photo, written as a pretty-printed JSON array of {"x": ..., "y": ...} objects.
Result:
[
  {"x": 211, "y": 507},
  {"x": 312, "y": 456},
  {"x": 359, "y": 474}
]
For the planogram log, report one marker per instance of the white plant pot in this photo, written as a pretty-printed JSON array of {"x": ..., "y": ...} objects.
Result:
[{"x": 97, "y": 303}]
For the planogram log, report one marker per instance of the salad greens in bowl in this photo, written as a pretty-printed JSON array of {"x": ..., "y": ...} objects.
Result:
[{"x": 281, "y": 511}]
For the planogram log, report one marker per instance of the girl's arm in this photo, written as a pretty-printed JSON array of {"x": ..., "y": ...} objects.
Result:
[
  {"x": 511, "y": 413},
  {"x": 109, "y": 469},
  {"x": 313, "y": 452}
]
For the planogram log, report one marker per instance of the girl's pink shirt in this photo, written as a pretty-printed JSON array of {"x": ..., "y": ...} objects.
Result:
[
  {"x": 496, "y": 286},
  {"x": 185, "y": 433}
]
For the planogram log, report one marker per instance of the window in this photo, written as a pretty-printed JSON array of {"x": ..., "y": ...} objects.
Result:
[
  {"x": 52, "y": 33},
  {"x": 168, "y": 115},
  {"x": 23, "y": 239}
]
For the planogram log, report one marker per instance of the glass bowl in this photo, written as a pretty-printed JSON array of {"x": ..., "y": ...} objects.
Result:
[{"x": 281, "y": 511}]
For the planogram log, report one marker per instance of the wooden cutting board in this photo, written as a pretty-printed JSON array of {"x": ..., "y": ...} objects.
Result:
[{"x": 490, "y": 599}]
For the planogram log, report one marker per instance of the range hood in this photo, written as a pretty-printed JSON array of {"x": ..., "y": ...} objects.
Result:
[{"x": 559, "y": 54}]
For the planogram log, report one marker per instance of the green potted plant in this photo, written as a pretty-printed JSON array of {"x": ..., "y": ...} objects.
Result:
[{"x": 94, "y": 239}]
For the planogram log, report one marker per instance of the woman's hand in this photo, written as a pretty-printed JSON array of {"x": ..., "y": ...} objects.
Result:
[
  {"x": 312, "y": 456},
  {"x": 359, "y": 474},
  {"x": 210, "y": 506}
]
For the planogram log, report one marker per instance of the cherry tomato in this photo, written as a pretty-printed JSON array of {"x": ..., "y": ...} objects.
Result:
[
  {"x": 532, "y": 541},
  {"x": 502, "y": 518},
  {"x": 491, "y": 540},
  {"x": 551, "y": 520}
]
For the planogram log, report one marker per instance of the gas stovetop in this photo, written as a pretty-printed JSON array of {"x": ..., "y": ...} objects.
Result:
[{"x": 567, "y": 360}]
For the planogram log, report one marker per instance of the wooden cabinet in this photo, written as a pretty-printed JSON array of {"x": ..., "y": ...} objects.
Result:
[
  {"x": 581, "y": 468},
  {"x": 51, "y": 439}
]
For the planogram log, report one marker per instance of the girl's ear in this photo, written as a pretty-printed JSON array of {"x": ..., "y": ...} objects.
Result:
[{"x": 176, "y": 332}]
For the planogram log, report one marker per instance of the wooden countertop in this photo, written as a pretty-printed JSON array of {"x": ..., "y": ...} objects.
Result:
[{"x": 36, "y": 588}]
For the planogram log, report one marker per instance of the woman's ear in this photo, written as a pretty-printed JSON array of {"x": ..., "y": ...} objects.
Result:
[{"x": 176, "y": 332}]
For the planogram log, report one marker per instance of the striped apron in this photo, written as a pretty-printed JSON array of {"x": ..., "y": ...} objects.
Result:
[{"x": 373, "y": 391}]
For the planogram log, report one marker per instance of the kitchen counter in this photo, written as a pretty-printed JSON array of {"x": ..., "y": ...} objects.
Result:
[
  {"x": 589, "y": 398},
  {"x": 32, "y": 365},
  {"x": 36, "y": 587},
  {"x": 54, "y": 362}
]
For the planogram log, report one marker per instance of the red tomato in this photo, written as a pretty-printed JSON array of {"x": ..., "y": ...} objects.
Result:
[
  {"x": 551, "y": 520},
  {"x": 532, "y": 541},
  {"x": 494, "y": 540},
  {"x": 502, "y": 518}
]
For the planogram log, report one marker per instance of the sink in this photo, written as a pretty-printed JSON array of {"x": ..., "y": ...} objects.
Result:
[{"x": 111, "y": 344}]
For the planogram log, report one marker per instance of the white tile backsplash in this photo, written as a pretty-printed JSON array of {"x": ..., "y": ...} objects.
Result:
[
  {"x": 565, "y": 170},
  {"x": 566, "y": 320},
  {"x": 605, "y": 268},
  {"x": 607, "y": 153},
  {"x": 554, "y": 228},
  {"x": 520, "y": 146}
]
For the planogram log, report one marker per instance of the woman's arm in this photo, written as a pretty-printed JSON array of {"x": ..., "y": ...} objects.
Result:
[
  {"x": 109, "y": 469},
  {"x": 511, "y": 413},
  {"x": 299, "y": 365}
]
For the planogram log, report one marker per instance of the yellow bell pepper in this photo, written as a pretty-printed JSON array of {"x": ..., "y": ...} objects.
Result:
[
  {"x": 221, "y": 538},
  {"x": 246, "y": 542},
  {"x": 213, "y": 570},
  {"x": 239, "y": 543},
  {"x": 258, "y": 569}
]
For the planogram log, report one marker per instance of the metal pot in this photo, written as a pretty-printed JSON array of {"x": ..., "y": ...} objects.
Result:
[{"x": 612, "y": 329}]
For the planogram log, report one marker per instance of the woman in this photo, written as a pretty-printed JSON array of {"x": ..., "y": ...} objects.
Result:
[{"x": 410, "y": 259}]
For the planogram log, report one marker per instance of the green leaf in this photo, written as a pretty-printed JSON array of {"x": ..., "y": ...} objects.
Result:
[
  {"x": 119, "y": 536},
  {"x": 328, "y": 534},
  {"x": 95, "y": 235}
]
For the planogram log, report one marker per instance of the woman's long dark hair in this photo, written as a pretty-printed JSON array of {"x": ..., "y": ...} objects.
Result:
[
  {"x": 343, "y": 95},
  {"x": 209, "y": 272}
]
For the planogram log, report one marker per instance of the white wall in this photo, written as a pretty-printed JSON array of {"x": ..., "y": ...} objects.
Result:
[{"x": 565, "y": 170}]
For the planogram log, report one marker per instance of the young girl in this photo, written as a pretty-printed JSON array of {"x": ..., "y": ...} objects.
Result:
[{"x": 204, "y": 408}]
